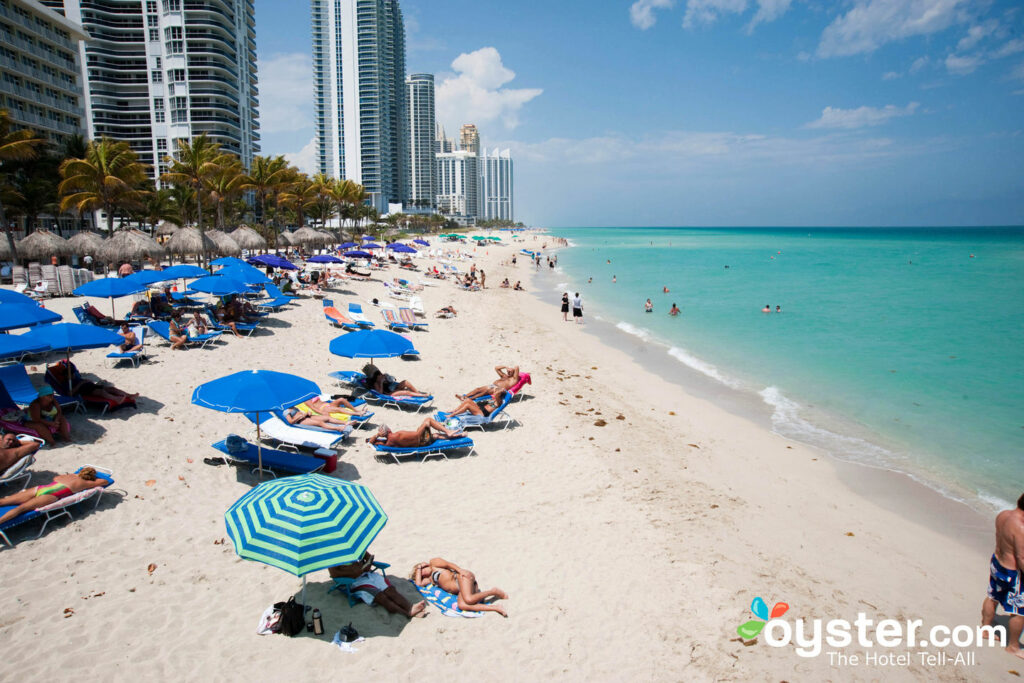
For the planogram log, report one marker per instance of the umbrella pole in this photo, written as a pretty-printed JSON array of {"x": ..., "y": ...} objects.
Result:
[
  {"x": 304, "y": 607},
  {"x": 259, "y": 450}
]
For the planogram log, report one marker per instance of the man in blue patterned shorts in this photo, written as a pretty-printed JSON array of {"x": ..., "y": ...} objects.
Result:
[{"x": 1006, "y": 584}]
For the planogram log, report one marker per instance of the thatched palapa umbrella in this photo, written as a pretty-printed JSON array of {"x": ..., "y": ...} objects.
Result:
[
  {"x": 85, "y": 242},
  {"x": 247, "y": 238},
  {"x": 225, "y": 245},
  {"x": 41, "y": 245},
  {"x": 166, "y": 229},
  {"x": 285, "y": 239},
  {"x": 5, "y": 248},
  {"x": 190, "y": 242},
  {"x": 307, "y": 236},
  {"x": 130, "y": 245},
  {"x": 328, "y": 237}
]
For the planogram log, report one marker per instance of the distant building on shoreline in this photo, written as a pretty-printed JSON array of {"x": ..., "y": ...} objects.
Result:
[
  {"x": 442, "y": 142},
  {"x": 469, "y": 138},
  {"x": 40, "y": 70},
  {"x": 161, "y": 70},
  {"x": 359, "y": 95},
  {"x": 421, "y": 166},
  {"x": 457, "y": 185},
  {"x": 495, "y": 185}
]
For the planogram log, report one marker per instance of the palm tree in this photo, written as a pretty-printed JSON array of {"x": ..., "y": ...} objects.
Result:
[
  {"x": 347, "y": 194},
  {"x": 299, "y": 196},
  {"x": 267, "y": 178},
  {"x": 224, "y": 186},
  {"x": 157, "y": 206},
  {"x": 15, "y": 145},
  {"x": 197, "y": 161},
  {"x": 106, "y": 178},
  {"x": 183, "y": 198},
  {"x": 323, "y": 204}
]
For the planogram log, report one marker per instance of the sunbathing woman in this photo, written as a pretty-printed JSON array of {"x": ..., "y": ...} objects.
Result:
[
  {"x": 62, "y": 486},
  {"x": 224, "y": 315},
  {"x": 13, "y": 449},
  {"x": 45, "y": 411},
  {"x": 507, "y": 378},
  {"x": 337, "y": 405},
  {"x": 131, "y": 342},
  {"x": 81, "y": 387},
  {"x": 482, "y": 409},
  {"x": 375, "y": 589},
  {"x": 176, "y": 332},
  {"x": 299, "y": 418},
  {"x": 388, "y": 385},
  {"x": 412, "y": 438},
  {"x": 451, "y": 578}
]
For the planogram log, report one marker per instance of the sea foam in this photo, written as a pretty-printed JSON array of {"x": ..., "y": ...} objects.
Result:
[{"x": 702, "y": 367}]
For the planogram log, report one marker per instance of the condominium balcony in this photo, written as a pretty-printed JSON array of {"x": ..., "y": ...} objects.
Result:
[
  {"x": 30, "y": 95},
  {"x": 16, "y": 66},
  {"x": 45, "y": 30}
]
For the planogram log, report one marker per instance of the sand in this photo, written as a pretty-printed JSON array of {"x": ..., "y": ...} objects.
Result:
[{"x": 630, "y": 522}]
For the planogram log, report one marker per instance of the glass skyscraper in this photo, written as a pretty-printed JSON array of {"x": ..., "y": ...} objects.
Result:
[{"x": 422, "y": 168}]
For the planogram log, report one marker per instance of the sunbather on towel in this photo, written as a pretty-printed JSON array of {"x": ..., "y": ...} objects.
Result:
[
  {"x": 451, "y": 578},
  {"x": 80, "y": 387},
  {"x": 337, "y": 405},
  {"x": 484, "y": 409},
  {"x": 62, "y": 486},
  {"x": 299, "y": 418},
  {"x": 507, "y": 378},
  {"x": 13, "y": 449},
  {"x": 44, "y": 410},
  {"x": 374, "y": 589},
  {"x": 412, "y": 438},
  {"x": 386, "y": 384},
  {"x": 131, "y": 342}
]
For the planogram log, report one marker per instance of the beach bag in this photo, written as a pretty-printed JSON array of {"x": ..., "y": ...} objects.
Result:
[
  {"x": 293, "y": 618},
  {"x": 236, "y": 444}
]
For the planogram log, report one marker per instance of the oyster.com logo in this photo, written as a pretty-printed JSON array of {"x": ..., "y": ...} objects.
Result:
[{"x": 751, "y": 629}]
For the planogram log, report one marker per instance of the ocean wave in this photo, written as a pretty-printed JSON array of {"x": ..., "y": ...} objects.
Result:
[
  {"x": 634, "y": 330},
  {"x": 702, "y": 367},
  {"x": 561, "y": 286}
]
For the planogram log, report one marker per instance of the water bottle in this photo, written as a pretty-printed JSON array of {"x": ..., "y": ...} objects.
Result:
[{"x": 318, "y": 623}]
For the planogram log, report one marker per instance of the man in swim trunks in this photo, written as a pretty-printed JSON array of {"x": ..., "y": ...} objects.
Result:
[
  {"x": 412, "y": 438},
  {"x": 62, "y": 486},
  {"x": 507, "y": 378},
  {"x": 1006, "y": 583},
  {"x": 131, "y": 342},
  {"x": 374, "y": 588}
]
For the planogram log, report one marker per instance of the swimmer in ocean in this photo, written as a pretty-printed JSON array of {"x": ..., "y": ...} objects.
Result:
[
  {"x": 674, "y": 310},
  {"x": 767, "y": 308},
  {"x": 648, "y": 307},
  {"x": 778, "y": 308},
  {"x": 614, "y": 279},
  {"x": 665, "y": 289}
]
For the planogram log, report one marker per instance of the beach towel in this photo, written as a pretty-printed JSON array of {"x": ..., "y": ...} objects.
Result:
[{"x": 444, "y": 601}]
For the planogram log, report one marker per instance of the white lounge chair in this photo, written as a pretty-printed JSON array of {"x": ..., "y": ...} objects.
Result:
[{"x": 290, "y": 436}]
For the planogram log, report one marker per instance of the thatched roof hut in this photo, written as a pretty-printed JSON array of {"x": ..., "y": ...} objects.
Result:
[
  {"x": 166, "y": 228},
  {"x": 225, "y": 245},
  {"x": 284, "y": 239},
  {"x": 5, "y": 248},
  {"x": 247, "y": 238},
  {"x": 307, "y": 236},
  {"x": 189, "y": 241},
  {"x": 41, "y": 245},
  {"x": 130, "y": 245},
  {"x": 329, "y": 237},
  {"x": 86, "y": 242}
]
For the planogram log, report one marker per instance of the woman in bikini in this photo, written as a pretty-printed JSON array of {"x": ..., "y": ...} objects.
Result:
[
  {"x": 301, "y": 419},
  {"x": 337, "y": 405},
  {"x": 62, "y": 486},
  {"x": 507, "y": 378},
  {"x": 388, "y": 385},
  {"x": 45, "y": 411},
  {"x": 482, "y": 409},
  {"x": 451, "y": 578},
  {"x": 176, "y": 332},
  {"x": 412, "y": 438}
]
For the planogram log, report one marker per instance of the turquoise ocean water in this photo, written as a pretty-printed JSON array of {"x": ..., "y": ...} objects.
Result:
[{"x": 895, "y": 347}]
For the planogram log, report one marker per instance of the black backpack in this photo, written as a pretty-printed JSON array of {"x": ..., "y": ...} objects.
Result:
[{"x": 293, "y": 617}]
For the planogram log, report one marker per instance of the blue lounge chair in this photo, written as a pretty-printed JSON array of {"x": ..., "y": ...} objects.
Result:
[
  {"x": 295, "y": 463},
  {"x": 355, "y": 311},
  {"x": 61, "y": 508},
  {"x": 274, "y": 292},
  {"x": 439, "y": 447},
  {"x": 15, "y": 379},
  {"x": 86, "y": 319},
  {"x": 345, "y": 584},
  {"x": 162, "y": 329},
  {"x": 243, "y": 328},
  {"x": 498, "y": 416},
  {"x": 135, "y": 357},
  {"x": 357, "y": 380}
]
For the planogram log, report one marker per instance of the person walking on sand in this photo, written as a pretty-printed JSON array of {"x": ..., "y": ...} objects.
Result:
[
  {"x": 565, "y": 306},
  {"x": 577, "y": 308},
  {"x": 1005, "y": 576}
]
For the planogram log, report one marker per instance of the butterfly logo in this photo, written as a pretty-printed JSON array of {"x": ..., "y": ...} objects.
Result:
[{"x": 751, "y": 629}]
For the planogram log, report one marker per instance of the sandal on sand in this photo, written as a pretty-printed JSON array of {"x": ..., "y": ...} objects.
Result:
[{"x": 216, "y": 462}]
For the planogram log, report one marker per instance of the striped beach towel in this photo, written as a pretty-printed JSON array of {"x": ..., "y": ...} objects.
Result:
[{"x": 445, "y": 601}]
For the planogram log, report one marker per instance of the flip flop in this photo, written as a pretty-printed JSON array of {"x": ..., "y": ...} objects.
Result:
[{"x": 215, "y": 462}]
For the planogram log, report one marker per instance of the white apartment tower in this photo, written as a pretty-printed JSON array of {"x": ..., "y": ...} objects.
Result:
[
  {"x": 421, "y": 168},
  {"x": 457, "y": 184},
  {"x": 495, "y": 186},
  {"x": 442, "y": 143},
  {"x": 157, "y": 71},
  {"x": 359, "y": 95}
]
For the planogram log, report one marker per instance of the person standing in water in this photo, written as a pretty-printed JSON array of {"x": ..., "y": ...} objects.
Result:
[
  {"x": 778, "y": 308},
  {"x": 767, "y": 308},
  {"x": 674, "y": 310},
  {"x": 577, "y": 308},
  {"x": 648, "y": 307}
]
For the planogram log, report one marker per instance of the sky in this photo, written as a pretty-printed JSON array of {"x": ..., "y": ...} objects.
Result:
[{"x": 710, "y": 112}]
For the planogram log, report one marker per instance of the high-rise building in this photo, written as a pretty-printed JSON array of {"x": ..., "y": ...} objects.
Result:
[
  {"x": 359, "y": 95},
  {"x": 422, "y": 167},
  {"x": 457, "y": 184},
  {"x": 469, "y": 138},
  {"x": 442, "y": 143},
  {"x": 157, "y": 71},
  {"x": 496, "y": 188},
  {"x": 40, "y": 71}
]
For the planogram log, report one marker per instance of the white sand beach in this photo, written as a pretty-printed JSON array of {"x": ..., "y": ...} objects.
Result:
[{"x": 630, "y": 522}]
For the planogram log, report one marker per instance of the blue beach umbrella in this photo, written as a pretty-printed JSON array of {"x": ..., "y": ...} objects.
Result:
[
  {"x": 304, "y": 523},
  {"x": 357, "y": 254},
  {"x": 15, "y": 315},
  {"x": 184, "y": 271},
  {"x": 400, "y": 248},
  {"x": 110, "y": 288},
  {"x": 423, "y": 242},
  {"x": 68, "y": 337},
  {"x": 347, "y": 245},
  {"x": 372, "y": 344},
  {"x": 13, "y": 345},
  {"x": 244, "y": 273},
  {"x": 9, "y": 296},
  {"x": 324, "y": 258},
  {"x": 227, "y": 261},
  {"x": 371, "y": 245},
  {"x": 254, "y": 391},
  {"x": 219, "y": 285},
  {"x": 146, "y": 278},
  {"x": 369, "y": 237}
]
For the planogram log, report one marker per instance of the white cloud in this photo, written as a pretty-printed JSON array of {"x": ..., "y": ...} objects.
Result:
[
  {"x": 1011, "y": 47},
  {"x": 641, "y": 12},
  {"x": 286, "y": 93},
  {"x": 890, "y": 75},
  {"x": 849, "y": 119},
  {"x": 963, "y": 65},
  {"x": 767, "y": 11},
  {"x": 869, "y": 24},
  {"x": 304, "y": 159},
  {"x": 976, "y": 33},
  {"x": 919, "y": 63},
  {"x": 475, "y": 94},
  {"x": 708, "y": 11}
]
